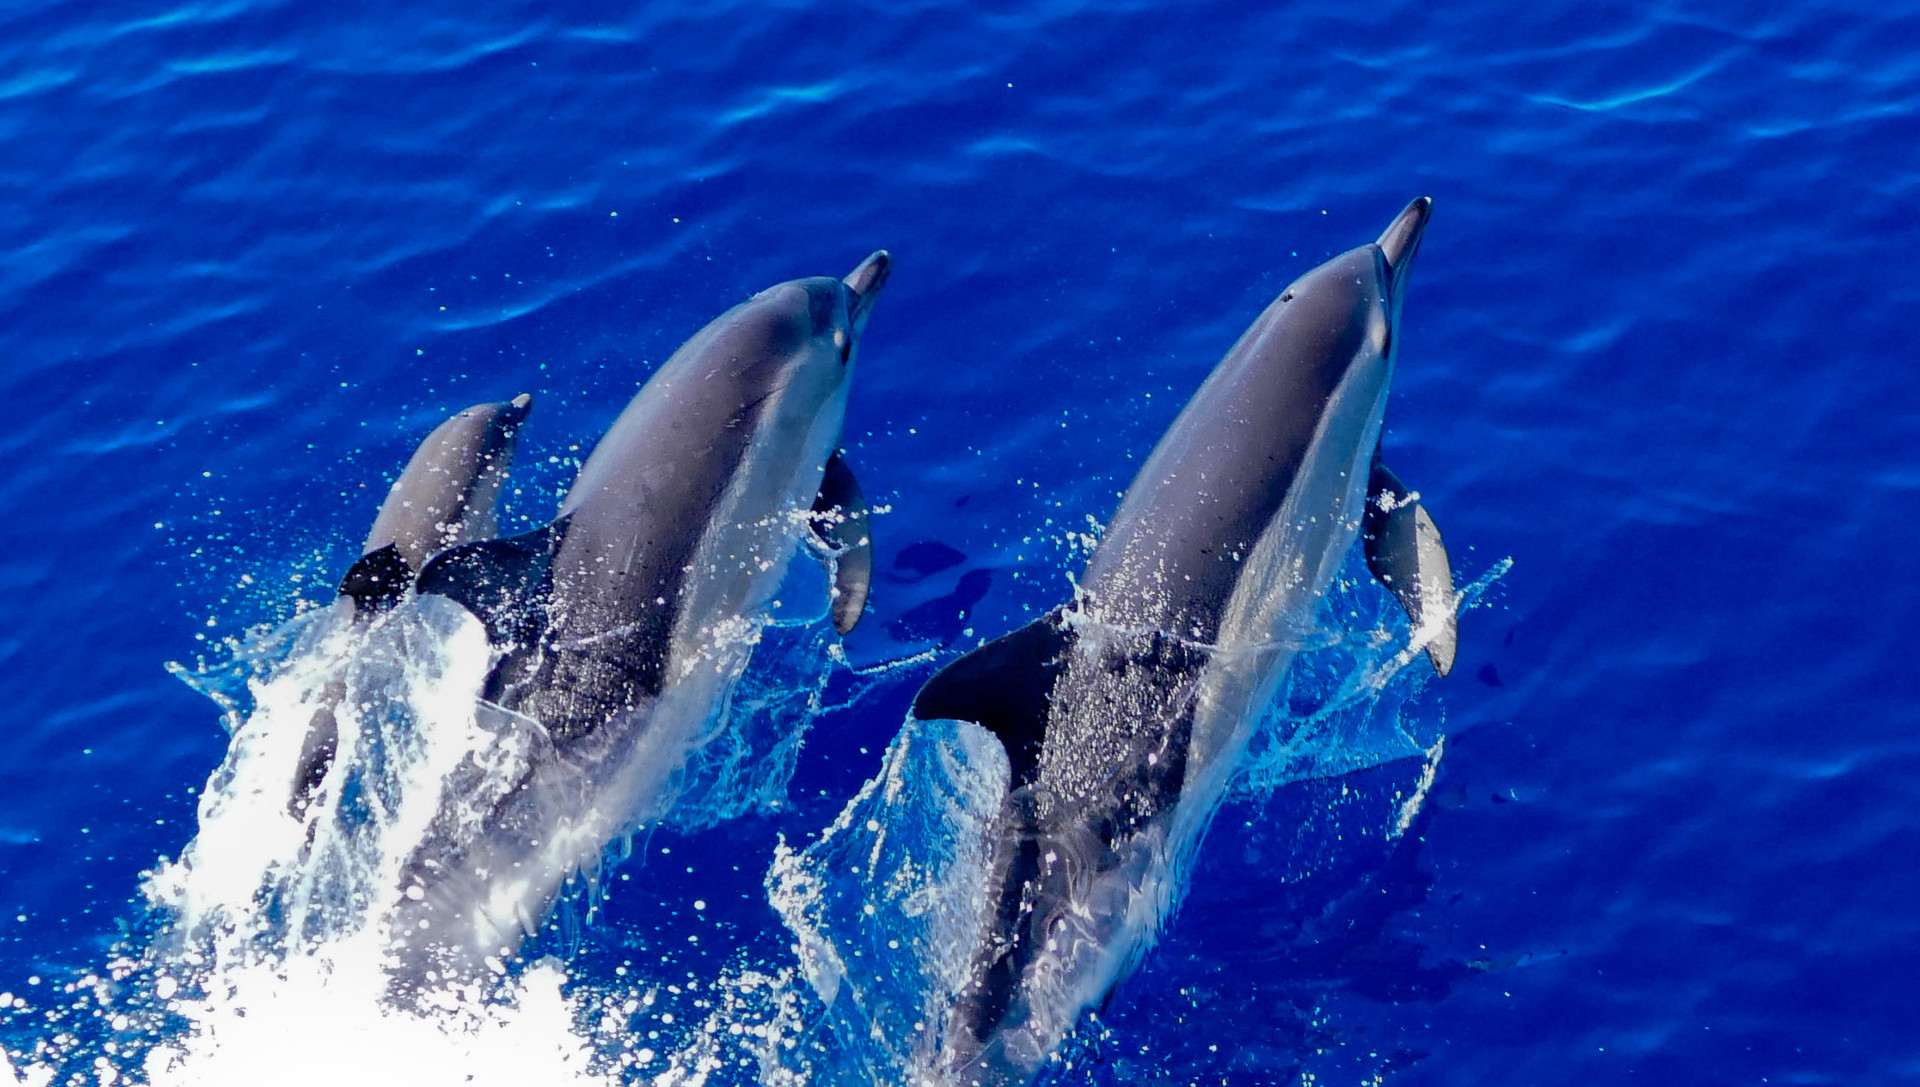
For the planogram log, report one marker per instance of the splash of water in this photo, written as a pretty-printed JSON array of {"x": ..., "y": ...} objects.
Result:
[
  {"x": 281, "y": 863},
  {"x": 747, "y": 765},
  {"x": 1350, "y": 701},
  {"x": 266, "y": 941},
  {"x": 878, "y": 900},
  {"x": 276, "y": 914},
  {"x": 886, "y": 905},
  {"x": 266, "y": 949}
]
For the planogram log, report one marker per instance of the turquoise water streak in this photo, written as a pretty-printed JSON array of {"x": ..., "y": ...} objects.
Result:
[{"x": 1655, "y": 350}]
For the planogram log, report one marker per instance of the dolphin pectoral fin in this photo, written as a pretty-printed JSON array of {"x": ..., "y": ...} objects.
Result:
[
  {"x": 1006, "y": 687},
  {"x": 316, "y": 757},
  {"x": 1405, "y": 552},
  {"x": 377, "y": 581},
  {"x": 502, "y": 582},
  {"x": 840, "y": 519}
]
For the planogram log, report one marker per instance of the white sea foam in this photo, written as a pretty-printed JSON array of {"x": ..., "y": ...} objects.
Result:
[
  {"x": 322, "y": 1020},
  {"x": 265, "y": 952},
  {"x": 277, "y": 935}
]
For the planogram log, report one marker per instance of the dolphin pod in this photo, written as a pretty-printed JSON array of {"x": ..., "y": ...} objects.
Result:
[
  {"x": 622, "y": 624},
  {"x": 1124, "y": 712},
  {"x": 617, "y": 629}
]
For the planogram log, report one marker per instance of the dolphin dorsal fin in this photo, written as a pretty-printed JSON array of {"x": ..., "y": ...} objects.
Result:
[
  {"x": 503, "y": 582},
  {"x": 1405, "y": 552},
  {"x": 1006, "y": 687},
  {"x": 840, "y": 519},
  {"x": 377, "y": 581}
]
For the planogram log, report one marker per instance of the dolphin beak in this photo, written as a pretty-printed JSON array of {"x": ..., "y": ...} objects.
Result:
[
  {"x": 864, "y": 284},
  {"x": 1402, "y": 240},
  {"x": 517, "y": 409}
]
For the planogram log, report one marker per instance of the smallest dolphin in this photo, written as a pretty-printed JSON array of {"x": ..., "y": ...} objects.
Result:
[{"x": 444, "y": 497}]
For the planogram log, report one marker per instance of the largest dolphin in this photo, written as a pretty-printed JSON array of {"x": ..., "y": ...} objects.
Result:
[
  {"x": 621, "y": 625},
  {"x": 1124, "y": 712}
]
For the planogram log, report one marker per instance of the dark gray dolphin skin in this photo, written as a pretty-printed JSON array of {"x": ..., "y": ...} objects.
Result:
[
  {"x": 1124, "y": 712},
  {"x": 445, "y": 496},
  {"x": 621, "y": 626}
]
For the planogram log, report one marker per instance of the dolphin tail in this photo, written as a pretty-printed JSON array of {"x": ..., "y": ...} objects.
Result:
[
  {"x": 1005, "y": 686},
  {"x": 1405, "y": 552},
  {"x": 502, "y": 582},
  {"x": 840, "y": 520}
]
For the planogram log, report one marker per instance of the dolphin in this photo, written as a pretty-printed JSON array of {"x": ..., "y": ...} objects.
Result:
[
  {"x": 445, "y": 496},
  {"x": 621, "y": 626},
  {"x": 1124, "y": 712}
]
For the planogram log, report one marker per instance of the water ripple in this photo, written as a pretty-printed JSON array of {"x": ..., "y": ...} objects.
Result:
[{"x": 1656, "y": 347}]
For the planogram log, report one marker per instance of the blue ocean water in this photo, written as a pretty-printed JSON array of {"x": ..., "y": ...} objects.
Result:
[{"x": 1654, "y": 351}]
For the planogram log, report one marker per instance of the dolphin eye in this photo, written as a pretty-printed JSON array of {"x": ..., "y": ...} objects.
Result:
[
  {"x": 845, "y": 343},
  {"x": 1287, "y": 295}
]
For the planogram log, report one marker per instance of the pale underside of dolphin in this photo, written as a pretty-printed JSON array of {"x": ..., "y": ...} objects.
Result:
[
  {"x": 1124, "y": 713},
  {"x": 620, "y": 627}
]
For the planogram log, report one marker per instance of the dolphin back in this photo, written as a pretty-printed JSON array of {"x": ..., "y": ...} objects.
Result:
[
  {"x": 445, "y": 496},
  {"x": 1176, "y": 547}
]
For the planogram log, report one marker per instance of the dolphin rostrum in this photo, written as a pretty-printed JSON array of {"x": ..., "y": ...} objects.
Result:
[
  {"x": 1124, "y": 713},
  {"x": 620, "y": 627}
]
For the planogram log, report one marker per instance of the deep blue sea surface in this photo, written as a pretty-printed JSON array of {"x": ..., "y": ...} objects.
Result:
[{"x": 1656, "y": 350}]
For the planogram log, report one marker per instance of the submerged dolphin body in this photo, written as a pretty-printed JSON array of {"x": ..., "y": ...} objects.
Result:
[
  {"x": 621, "y": 626},
  {"x": 1124, "y": 713}
]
